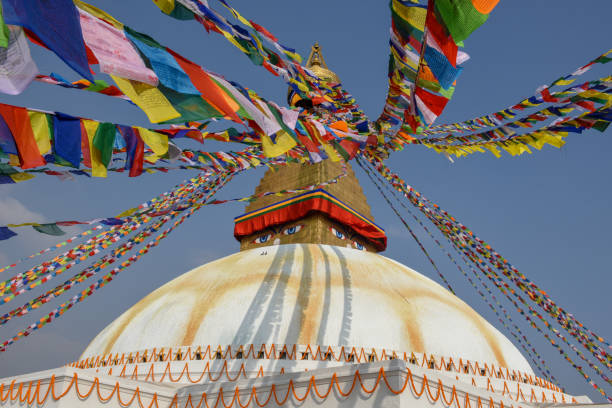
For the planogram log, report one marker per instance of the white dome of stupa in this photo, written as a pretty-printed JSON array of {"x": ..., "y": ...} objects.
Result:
[{"x": 308, "y": 294}]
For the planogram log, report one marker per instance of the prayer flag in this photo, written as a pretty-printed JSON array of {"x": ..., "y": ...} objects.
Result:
[
  {"x": 4, "y": 31},
  {"x": 56, "y": 24},
  {"x": 114, "y": 51},
  {"x": 267, "y": 125},
  {"x": 98, "y": 168},
  {"x": 6, "y": 233},
  {"x": 429, "y": 105},
  {"x": 67, "y": 132},
  {"x": 439, "y": 38},
  {"x": 7, "y": 143},
  {"x": 17, "y": 68},
  {"x": 111, "y": 221},
  {"x": 42, "y": 132},
  {"x": 94, "y": 11},
  {"x": 282, "y": 143},
  {"x": 104, "y": 140},
  {"x": 134, "y": 148},
  {"x": 210, "y": 91},
  {"x": 148, "y": 98},
  {"x": 443, "y": 70},
  {"x": 18, "y": 123},
  {"x": 165, "y": 5},
  {"x": 49, "y": 229},
  {"x": 168, "y": 71},
  {"x": 158, "y": 142},
  {"x": 462, "y": 17}
]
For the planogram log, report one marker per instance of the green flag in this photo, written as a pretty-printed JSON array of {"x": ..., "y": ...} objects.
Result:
[
  {"x": 104, "y": 141},
  {"x": 462, "y": 17},
  {"x": 4, "y": 31},
  {"x": 49, "y": 229}
]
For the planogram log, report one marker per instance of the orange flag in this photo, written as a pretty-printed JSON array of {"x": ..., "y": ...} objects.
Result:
[
  {"x": 18, "y": 121},
  {"x": 210, "y": 91}
]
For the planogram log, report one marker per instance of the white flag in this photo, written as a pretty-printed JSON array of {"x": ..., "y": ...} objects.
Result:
[{"x": 17, "y": 69}]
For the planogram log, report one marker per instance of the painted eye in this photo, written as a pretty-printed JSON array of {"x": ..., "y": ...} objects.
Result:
[
  {"x": 293, "y": 230},
  {"x": 337, "y": 233},
  {"x": 262, "y": 239},
  {"x": 358, "y": 246}
]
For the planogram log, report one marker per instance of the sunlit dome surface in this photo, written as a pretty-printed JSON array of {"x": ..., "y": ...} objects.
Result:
[{"x": 308, "y": 294}]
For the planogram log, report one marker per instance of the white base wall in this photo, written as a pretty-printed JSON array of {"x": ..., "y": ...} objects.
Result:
[{"x": 405, "y": 386}]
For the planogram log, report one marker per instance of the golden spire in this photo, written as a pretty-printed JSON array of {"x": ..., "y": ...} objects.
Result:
[
  {"x": 316, "y": 64},
  {"x": 336, "y": 214},
  {"x": 316, "y": 226}
]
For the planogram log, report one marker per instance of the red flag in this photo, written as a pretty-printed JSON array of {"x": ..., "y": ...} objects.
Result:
[{"x": 18, "y": 121}]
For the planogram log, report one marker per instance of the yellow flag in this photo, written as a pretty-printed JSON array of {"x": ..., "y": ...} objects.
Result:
[
  {"x": 493, "y": 150},
  {"x": 97, "y": 167},
  {"x": 18, "y": 177},
  {"x": 413, "y": 15},
  {"x": 332, "y": 153},
  {"x": 158, "y": 142},
  {"x": 563, "y": 82},
  {"x": 284, "y": 143},
  {"x": 554, "y": 139},
  {"x": 167, "y": 6},
  {"x": 300, "y": 85},
  {"x": 14, "y": 160},
  {"x": 231, "y": 39},
  {"x": 98, "y": 13},
  {"x": 40, "y": 127},
  {"x": 254, "y": 161},
  {"x": 148, "y": 98},
  {"x": 127, "y": 212}
]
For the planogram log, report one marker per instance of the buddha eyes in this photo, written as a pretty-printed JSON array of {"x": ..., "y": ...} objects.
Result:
[
  {"x": 266, "y": 238},
  {"x": 262, "y": 239},
  {"x": 337, "y": 234},
  {"x": 358, "y": 246},
  {"x": 293, "y": 230}
]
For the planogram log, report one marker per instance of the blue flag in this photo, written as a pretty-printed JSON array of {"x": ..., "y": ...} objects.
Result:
[{"x": 56, "y": 23}]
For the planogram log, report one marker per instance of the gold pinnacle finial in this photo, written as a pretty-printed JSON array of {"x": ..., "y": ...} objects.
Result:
[{"x": 316, "y": 63}]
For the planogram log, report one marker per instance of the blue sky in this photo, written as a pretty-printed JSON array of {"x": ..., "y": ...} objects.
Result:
[{"x": 548, "y": 212}]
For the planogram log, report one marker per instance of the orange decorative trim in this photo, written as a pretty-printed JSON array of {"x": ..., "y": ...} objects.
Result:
[
  {"x": 290, "y": 352},
  {"x": 280, "y": 397}
]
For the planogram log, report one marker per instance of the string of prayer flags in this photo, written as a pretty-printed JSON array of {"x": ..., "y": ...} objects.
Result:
[
  {"x": 282, "y": 61},
  {"x": 99, "y": 86},
  {"x": 543, "y": 95},
  {"x": 517, "y": 144},
  {"x": 53, "y": 228},
  {"x": 44, "y": 251},
  {"x": 506, "y": 319},
  {"x": 184, "y": 91},
  {"x": 134, "y": 220},
  {"x": 493, "y": 265},
  {"x": 200, "y": 189},
  {"x": 423, "y": 67}
]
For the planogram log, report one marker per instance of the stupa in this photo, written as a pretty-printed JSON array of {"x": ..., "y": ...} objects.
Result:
[{"x": 307, "y": 313}]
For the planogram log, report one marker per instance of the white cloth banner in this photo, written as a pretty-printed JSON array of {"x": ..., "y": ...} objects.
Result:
[
  {"x": 17, "y": 68},
  {"x": 266, "y": 124}
]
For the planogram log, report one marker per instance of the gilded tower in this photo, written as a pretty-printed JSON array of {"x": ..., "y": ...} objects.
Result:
[{"x": 334, "y": 214}]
